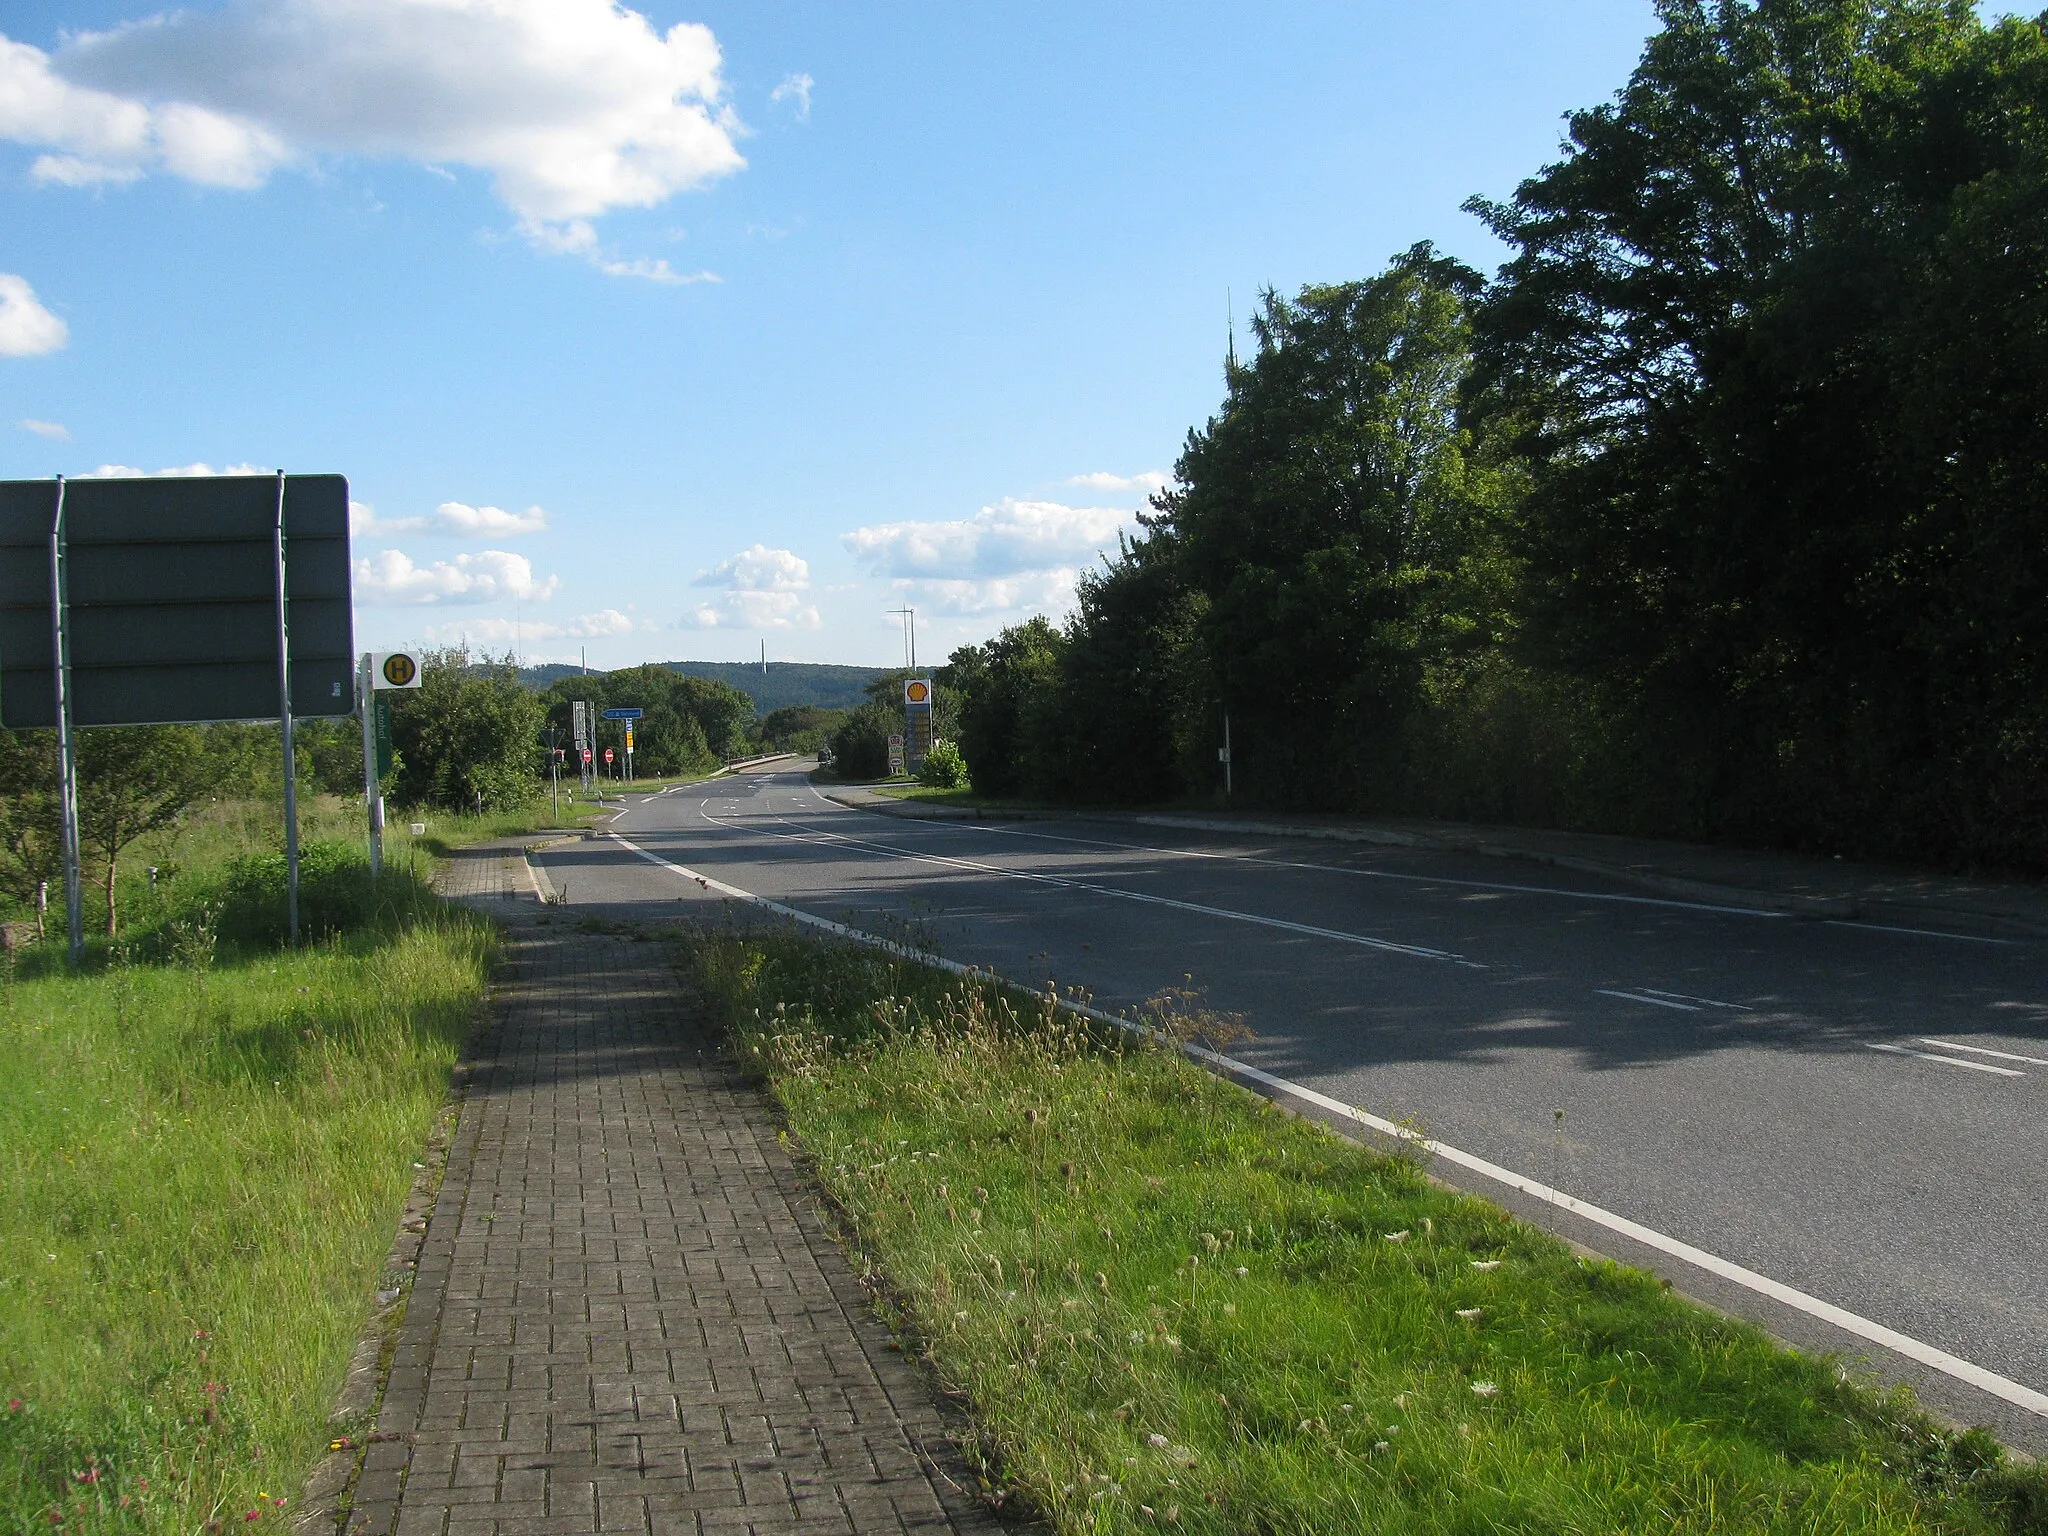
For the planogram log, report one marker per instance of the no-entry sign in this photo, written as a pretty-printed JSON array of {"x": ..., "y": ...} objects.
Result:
[{"x": 607, "y": 754}]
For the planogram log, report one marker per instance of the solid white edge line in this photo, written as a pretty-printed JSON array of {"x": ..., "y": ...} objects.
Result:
[
  {"x": 1947, "y": 1061},
  {"x": 1990, "y": 1382},
  {"x": 1982, "y": 1050}
]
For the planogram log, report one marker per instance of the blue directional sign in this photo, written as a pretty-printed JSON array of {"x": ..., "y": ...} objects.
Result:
[{"x": 624, "y": 714}]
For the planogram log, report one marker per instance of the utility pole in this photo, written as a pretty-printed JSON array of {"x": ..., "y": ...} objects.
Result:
[{"x": 909, "y": 636}]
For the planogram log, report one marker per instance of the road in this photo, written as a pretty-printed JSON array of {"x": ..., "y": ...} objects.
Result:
[{"x": 1851, "y": 1110}]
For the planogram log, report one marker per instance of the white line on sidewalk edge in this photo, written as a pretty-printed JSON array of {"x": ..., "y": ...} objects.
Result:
[{"x": 2020, "y": 1396}]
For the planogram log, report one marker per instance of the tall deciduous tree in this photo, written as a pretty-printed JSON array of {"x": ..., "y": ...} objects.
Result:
[
  {"x": 1331, "y": 518},
  {"x": 1774, "y": 334}
]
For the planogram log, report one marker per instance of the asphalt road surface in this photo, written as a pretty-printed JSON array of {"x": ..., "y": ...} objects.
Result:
[{"x": 1852, "y": 1110}]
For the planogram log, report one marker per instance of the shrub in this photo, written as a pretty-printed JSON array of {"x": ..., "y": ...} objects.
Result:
[
  {"x": 944, "y": 767},
  {"x": 336, "y": 895}
]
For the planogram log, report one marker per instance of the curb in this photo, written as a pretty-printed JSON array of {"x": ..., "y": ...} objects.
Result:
[{"x": 327, "y": 1493}]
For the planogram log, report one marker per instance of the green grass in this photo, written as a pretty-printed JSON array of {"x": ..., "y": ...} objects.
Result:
[
  {"x": 1171, "y": 1306},
  {"x": 202, "y": 1165}
]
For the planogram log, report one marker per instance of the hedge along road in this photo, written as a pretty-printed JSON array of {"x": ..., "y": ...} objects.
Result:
[{"x": 1851, "y": 1111}]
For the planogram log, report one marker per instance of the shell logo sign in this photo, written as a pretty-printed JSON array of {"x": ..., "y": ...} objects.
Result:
[{"x": 917, "y": 691}]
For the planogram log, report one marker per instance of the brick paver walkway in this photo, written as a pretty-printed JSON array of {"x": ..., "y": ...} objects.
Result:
[{"x": 627, "y": 1315}]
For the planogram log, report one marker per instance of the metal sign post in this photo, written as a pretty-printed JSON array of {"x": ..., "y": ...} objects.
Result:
[
  {"x": 67, "y": 761},
  {"x": 284, "y": 711},
  {"x": 379, "y": 671},
  {"x": 373, "y": 802},
  {"x": 579, "y": 725}
]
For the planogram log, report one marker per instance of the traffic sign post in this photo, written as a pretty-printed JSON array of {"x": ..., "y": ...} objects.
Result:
[
  {"x": 379, "y": 672},
  {"x": 627, "y": 716},
  {"x": 170, "y": 600}
]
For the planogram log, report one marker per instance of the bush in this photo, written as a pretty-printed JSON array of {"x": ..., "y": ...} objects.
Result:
[
  {"x": 944, "y": 767},
  {"x": 336, "y": 895},
  {"x": 860, "y": 747}
]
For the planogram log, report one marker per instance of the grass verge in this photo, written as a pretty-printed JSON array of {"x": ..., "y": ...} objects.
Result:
[
  {"x": 1171, "y": 1306},
  {"x": 202, "y": 1163}
]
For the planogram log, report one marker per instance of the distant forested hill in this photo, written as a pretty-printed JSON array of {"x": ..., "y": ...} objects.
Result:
[{"x": 785, "y": 682}]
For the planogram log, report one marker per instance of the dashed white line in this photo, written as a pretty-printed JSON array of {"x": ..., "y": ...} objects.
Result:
[
  {"x": 1983, "y": 1050},
  {"x": 1654, "y": 1002},
  {"x": 1947, "y": 1061},
  {"x": 1420, "y": 952}
]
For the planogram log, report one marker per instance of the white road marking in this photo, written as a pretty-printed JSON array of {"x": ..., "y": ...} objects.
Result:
[
  {"x": 1344, "y": 869},
  {"x": 1473, "y": 885},
  {"x": 1923, "y": 933},
  {"x": 1704, "y": 1002},
  {"x": 2003, "y": 1388},
  {"x": 1389, "y": 946},
  {"x": 1947, "y": 1061},
  {"x": 1656, "y": 1002},
  {"x": 1983, "y": 1050}
]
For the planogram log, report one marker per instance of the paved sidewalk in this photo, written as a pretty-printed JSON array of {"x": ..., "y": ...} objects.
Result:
[
  {"x": 628, "y": 1315},
  {"x": 1783, "y": 882}
]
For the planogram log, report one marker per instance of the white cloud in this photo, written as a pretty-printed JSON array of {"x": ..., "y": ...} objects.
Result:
[
  {"x": 457, "y": 518},
  {"x": 453, "y": 518},
  {"x": 1040, "y": 591},
  {"x": 573, "y": 107},
  {"x": 1146, "y": 480},
  {"x": 760, "y": 569},
  {"x": 753, "y": 610},
  {"x": 763, "y": 588},
  {"x": 654, "y": 270},
  {"x": 1010, "y": 538},
  {"x": 182, "y": 471},
  {"x": 390, "y": 579},
  {"x": 70, "y": 171},
  {"x": 55, "y": 431},
  {"x": 494, "y": 631},
  {"x": 1013, "y": 556},
  {"x": 26, "y": 328},
  {"x": 796, "y": 88}
]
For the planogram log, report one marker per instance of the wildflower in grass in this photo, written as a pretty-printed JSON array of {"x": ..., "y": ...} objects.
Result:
[
  {"x": 1157, "y": 1440},
  {"x": 1398, "y": 1237},
  {"x": 1486, "y": 1263},
  {"x": 1485, "y": 1389},
  {"x": 15, "y": 1405},
  {"x": 1470, "y": 1314}
]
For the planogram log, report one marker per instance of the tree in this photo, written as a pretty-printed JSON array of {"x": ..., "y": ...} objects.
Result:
[
  {"x": 1771, "y": 337},
  {"x": 31, "y": 839},
  {"x": 860, "y": 745},
  {"x": 1335, "y": 521},
  {"x": 1002, "y": 731},
  {"x": 134, "y": 780},
  {"x": 468, "y": 738}
]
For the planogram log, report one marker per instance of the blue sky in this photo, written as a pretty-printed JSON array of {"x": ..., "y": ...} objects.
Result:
[{"x": 666, "y": 343}]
